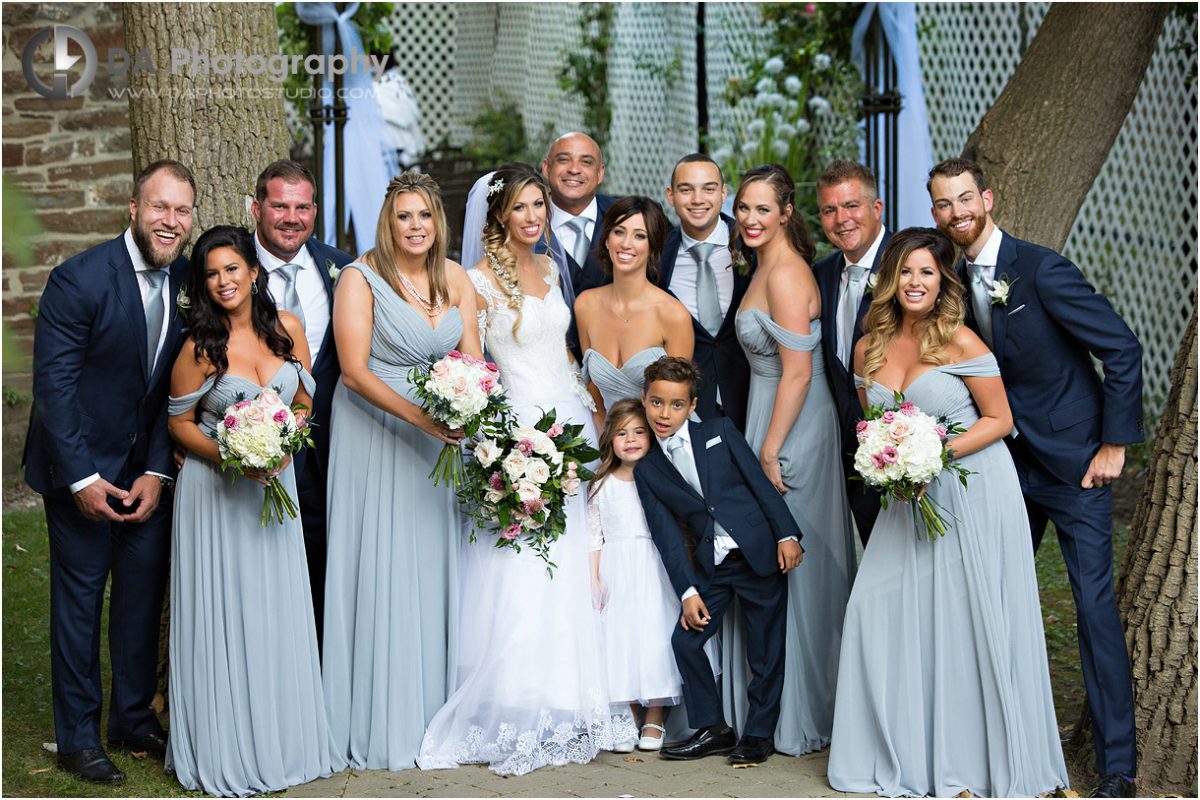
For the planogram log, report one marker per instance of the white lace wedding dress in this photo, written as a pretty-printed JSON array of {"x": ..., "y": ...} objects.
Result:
[{"x": 531, "y": 683}]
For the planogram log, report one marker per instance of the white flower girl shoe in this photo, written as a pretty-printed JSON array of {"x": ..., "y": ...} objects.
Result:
[{"x": 652, "y": 742}]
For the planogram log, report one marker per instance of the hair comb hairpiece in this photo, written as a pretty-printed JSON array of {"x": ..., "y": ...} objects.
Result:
[{"x": 495, "y": 186}]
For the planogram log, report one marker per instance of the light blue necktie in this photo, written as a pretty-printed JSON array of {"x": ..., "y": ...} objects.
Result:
[
  {"x": 155, "y": 312},
  {"x": 708, "y": 304},
  {"x": 980, "y": 286},
  {"x": 580, "y": 248},
  {"x": 291, "y": 297}
]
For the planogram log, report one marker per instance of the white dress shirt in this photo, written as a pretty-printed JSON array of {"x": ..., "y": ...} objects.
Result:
[
  {"x": 988, "y": 256},
  {"x": 683, "y": 277},
  {"x": 310, "y": 286},
  {"x": 565, "y": 234},
  {"x": 849, "y": 293},
  {"x": 140, "y": 267}
]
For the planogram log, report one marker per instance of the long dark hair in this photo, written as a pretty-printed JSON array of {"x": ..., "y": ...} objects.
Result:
[
  {"x": 657, "y": 229},
  {"x": 784, "y": 188},
  {"x": 208, "y": 324}
]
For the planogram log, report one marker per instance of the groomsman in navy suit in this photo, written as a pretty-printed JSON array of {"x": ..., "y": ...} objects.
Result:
[
  {"x": 108, "y": 330},
  {"x": 723, "y": 531},
  {"x": 1045, "y": 322},
  {"x": 852, "y": 217},
  {"x": 574, "y": 169},
  {"x": 697, "y": 268},
  {"x": 300, "y": 272}
]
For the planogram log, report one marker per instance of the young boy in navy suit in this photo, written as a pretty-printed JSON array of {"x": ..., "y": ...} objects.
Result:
[{"x": 723, "y": 531}]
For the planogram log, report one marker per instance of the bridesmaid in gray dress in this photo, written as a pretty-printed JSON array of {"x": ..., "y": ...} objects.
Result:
[
  {"x": 944, "y": 681},
  {"x": 791, "y": 423},
  {"x": 247, "y": 713},
  {"x": 626, "y": 325},
  {"x": 392, "y": 573}
]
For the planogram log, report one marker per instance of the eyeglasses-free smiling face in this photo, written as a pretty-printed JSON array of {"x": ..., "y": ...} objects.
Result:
[
  {"x": 286, "y": 217},
  {"x": 412, "y": 224},
  {"x": 697, "y": 194},
  {"x": 758, "y": 214},
  {"x": 668, "y": 405},
  {"x": 631, "y": 441},
  {"x": 960, "y": 209},
  {"x": 230, "y": 280},
  {"x": 161, "y": 218},
  {"x": 920, "y": 283},
  {"x": 574, "y": 169},
  {"x": 528, "y": 218},
  {"x": 628, "y": 244},
  {"x": 850, "y": 217}
]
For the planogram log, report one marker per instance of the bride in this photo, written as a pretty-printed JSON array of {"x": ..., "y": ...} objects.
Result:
[{"x": 531, "y": 681}]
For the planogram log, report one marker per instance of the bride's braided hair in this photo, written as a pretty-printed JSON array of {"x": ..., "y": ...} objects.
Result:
[{"x": 507, "y": 184}]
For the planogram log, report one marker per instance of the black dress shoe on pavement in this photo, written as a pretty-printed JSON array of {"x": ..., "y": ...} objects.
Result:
[
  {"x": 91, "y": 764},
  {"x": 154, "y": 743},
  {"x": 712, "y": 741},
  {"x": 1115, "y": 785},
  {"x": 752, "y": 750}
]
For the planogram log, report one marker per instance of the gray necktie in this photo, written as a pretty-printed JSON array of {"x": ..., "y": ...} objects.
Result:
[
  {"x": 980, "y": 286},
  {"x": 155, "y": 312},
  {"x": 580, "y": 248},
  {"x": 848, "y": 311},
  {"x": 291, "y": 297},
  {"x": 683, "y": 462},
  {"x": 708, "y": 304}
]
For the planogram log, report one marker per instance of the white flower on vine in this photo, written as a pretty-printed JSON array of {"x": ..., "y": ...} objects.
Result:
[
  {"x": 756, "y": 127},
  {"x": 774, "y": 65},
  {"x": 762, "y": 99},
  {"x": 803, "y": 126},
  {"x": 821, "y": 62},
  {"x": 764, "y": 85},
  {"x": 785, "y": 131},
  {"x": 779, "y": 148},
  {"x": 749, "y": 149},
  {"x": 793, "y": 107},
  {"x": 792, "y": 84},
  {"x": 819, "y": 105}
]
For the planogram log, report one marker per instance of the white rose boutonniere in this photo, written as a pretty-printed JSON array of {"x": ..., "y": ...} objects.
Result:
[
  {"x": 332, "y": 269},
  {"x": 1000, "y": 290},
  {"x": 872, "y": 279},
  {"x": 183, "y": 303}
]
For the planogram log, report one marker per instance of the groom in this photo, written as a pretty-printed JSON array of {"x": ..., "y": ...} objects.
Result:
[
  {"x": 1044, "y": 322},
  {"x": 723, "y": 532}
]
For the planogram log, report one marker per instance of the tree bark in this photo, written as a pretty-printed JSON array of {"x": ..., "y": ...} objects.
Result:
[
  {"x": 1044, "y": 140},
  {"x": 228, "y": 127},
  {"x": 225, "y": 127}
]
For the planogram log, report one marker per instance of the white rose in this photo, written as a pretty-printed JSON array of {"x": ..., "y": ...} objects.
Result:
[
  {"x": 487, "y": 451},
  {"x": 537, "y": 471},
  {"x": 494, "y": 495},
  {"x": 528, "y": 490},
  {"x": 514, "y": 465}
]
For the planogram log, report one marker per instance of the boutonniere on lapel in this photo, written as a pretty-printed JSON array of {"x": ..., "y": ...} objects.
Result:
[
  {"x": 1000, "y": 290},
  {"x": 332, "y": 269},
  {"x": 872, "y": 279},
  {"x": 183, "y": 303}
]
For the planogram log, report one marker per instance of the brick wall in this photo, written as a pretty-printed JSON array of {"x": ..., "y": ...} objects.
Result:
[{"x": 71, "y": 160}]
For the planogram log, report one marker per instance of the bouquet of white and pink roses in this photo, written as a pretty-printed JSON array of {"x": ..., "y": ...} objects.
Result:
[
  {"x": 518, "y": 483},
  {"x": 257, "y": 435},
  {"x": 463, "y": 393},
  {"x": 902, "y": 450}
]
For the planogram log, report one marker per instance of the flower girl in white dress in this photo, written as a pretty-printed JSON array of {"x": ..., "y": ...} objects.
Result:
[{"x": 639, "y": 609}]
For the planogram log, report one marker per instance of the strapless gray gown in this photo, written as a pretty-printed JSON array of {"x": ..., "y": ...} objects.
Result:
[
  {"x": 944, "y": 685},
  {"x": 391, "y": 591},
  {"x": 819, "y": 588},
  {"x": 619, "y": 383},
  {"x": 247, "y": 712}
]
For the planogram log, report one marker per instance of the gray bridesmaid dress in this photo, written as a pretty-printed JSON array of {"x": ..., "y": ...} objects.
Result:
[
  {"x": 391, "y": 591},
  {"x": 944, "y": 684},
  {"x": 247, "y": 712},
  {"x": 619, "y": 383},
  {"x": 819, "y": 588}
]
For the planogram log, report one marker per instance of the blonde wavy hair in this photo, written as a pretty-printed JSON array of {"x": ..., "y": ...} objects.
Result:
[
  {"x": 885, "y": 316},
  {"x": 621, "y": 412},
  {"x": 382, "y": 257},
  {"x": 511, "y": 179}
]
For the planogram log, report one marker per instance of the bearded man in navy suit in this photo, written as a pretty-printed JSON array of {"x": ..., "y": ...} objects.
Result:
[
  {"x": 852, "y": 217},
  {"x": 1045, "y": 322},
  {"x": 108, "y": 330},
  {"x": 300, "y": 274},
  {"x": 696, "y": 266}
]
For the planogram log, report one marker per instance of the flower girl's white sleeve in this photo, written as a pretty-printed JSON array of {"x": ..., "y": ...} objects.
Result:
[{"x": 595, "y": 529}]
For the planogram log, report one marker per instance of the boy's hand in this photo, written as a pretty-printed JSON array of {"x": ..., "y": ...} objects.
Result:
[
  {"x": 695, "y": 614},
  {"x": 790, "y": 554}
]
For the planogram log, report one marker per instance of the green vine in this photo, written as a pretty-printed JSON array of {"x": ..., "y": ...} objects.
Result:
[{"x": 585, "y": 72}]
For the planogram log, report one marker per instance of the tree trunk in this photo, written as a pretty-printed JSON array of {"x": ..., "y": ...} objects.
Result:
[
  {"x": 225, "y": 127},
  {"x": 1157, "y": 593},
  {"x": 1044, "y": 140}
]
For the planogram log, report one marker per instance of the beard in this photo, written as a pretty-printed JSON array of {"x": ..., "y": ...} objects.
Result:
[
  {"x": 155, "y": 258},
  {"x": 968, "y": 237}
]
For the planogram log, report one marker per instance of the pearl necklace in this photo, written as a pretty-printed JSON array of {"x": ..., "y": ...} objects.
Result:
[{"x": 431, "y": 308}]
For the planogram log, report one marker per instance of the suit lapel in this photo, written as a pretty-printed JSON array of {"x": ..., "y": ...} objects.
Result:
[
  {"x": 666, "y": 265},
  {"x": 1005, "y": 270},
  {"x": 700, "y": 455},
  {"x": 327, "y": 281},
  {"x": 129, "y": 295},
  {"x": 175, "y": 278},
  {"x": 658, "y": 459}
]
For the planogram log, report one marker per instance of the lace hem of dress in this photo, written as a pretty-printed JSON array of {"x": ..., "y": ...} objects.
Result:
[{"x": 514, "y": 752}]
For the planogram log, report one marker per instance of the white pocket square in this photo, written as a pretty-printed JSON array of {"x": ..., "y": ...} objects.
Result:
[
  {"x": 1015, "y": 310},
  {"x": 712, "y": 442}
]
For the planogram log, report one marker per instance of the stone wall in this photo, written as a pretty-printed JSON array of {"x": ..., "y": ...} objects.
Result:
[{"x": 71, "y": 160}]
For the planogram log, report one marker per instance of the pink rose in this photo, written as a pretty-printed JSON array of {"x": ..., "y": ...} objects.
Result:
[
  {"x": 281, "y": 416},
  {"x": 941, "y": 430},
  {"x": 889, "y": 454},
  {"x": 254, "y": 415},
  {"x": 908, "y": 409},
  {"x": 487, "y": 383},
  {"x": 571, "y": 469},
  {"x": 571, "y": 484},
  {"x": 239, "y": 405},
  {"x": 555, "y": 430},
  {"x": 454, "y": 354},
  {"x": 491, "y": 366},
  {"x": 525, "y": 446},
  {"x": 511, "y": 532},
  {"x": 496, "y": 481},
  {"x": 231, "y": 423},
  {"x": 889, "y": 417},
  {"x": 861, "y": 427},
  {"x": 899, "y": 431}
]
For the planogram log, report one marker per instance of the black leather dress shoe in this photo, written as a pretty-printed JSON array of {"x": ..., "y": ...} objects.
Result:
[
  {"x": 154, "y": 743},
  {"x": 1115, "y": 785},
  {"x": 712, "y": 741},
  {"x": 91, "y": 764},
  {"x": 752, "y": 750}
]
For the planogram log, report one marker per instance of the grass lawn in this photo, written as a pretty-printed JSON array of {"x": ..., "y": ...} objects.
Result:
[{"x": 30, "y": 771}]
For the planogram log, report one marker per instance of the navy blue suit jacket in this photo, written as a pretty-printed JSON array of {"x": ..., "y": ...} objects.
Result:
[
  {"x": 98, "y": 407},
  {"x": 828, "y": 273},
  {"x": 720, "y": 358},
  {"x": 736, "y": 493},
  {"x": 326, "y": 370},
  {"x": 1043, "y": 339}
]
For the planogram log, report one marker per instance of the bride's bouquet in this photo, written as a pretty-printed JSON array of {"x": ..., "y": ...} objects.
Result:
[
  {"x": 256, "y": 435},
  {"x": 519, "y": 481},
  {"x": 900, "y": 451},
  {"x": 463, "y": 393}
]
